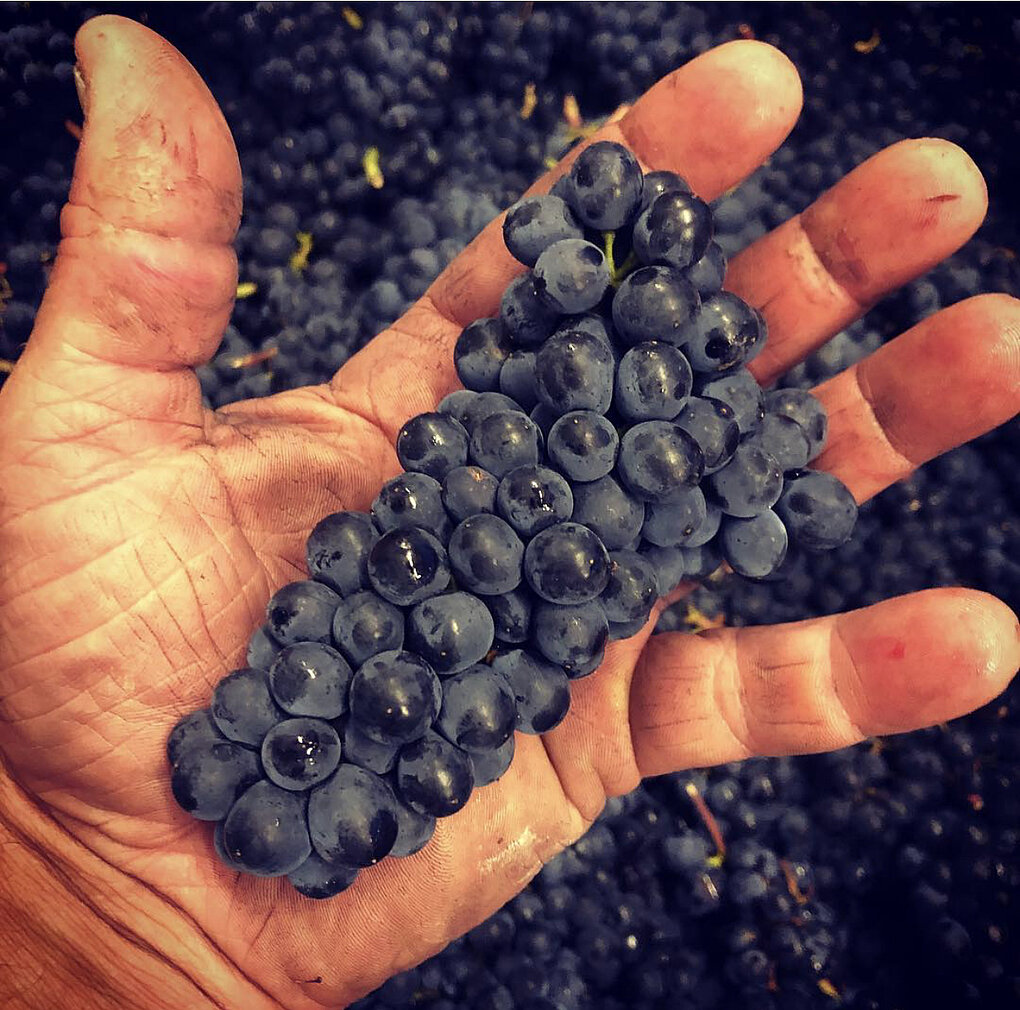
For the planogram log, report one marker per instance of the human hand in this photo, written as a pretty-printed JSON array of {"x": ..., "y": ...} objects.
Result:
[{"x": 142, "y": 534}]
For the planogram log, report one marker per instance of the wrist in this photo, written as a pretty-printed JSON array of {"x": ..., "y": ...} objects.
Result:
[{"x": 76, "y": 931}]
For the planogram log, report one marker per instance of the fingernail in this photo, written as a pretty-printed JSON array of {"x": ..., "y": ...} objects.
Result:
[{"x": 83, "y": 89}]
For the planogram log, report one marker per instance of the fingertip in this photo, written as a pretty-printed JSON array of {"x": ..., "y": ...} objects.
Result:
[{"x": 989, "y": 636}]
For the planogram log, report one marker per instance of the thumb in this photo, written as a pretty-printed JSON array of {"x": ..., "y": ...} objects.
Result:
[{"x": 144, "y": 279}]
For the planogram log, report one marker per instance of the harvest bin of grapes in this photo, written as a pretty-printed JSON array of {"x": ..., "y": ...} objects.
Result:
[{"x": 625, "y": 624}]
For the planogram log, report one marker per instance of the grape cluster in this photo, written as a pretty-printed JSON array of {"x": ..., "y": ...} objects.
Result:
[{"x": 542, "y": 510}]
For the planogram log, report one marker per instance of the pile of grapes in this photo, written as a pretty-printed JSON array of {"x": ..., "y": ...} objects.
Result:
[{"x": 609, "y": 444}]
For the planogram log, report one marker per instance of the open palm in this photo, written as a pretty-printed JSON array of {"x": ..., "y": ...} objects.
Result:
[{"x": 143, "y": 534}]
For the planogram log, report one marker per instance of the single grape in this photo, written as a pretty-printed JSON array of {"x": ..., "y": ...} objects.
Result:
[
  {"x": 243, "y": 708},
  {"x": 433, "y": 776},
  {"x": 701, "y": 562},
  {"x": 310, "y": 679},
  {"x": 302, "y": 612},
  {"x": 359, "y": 749},
  {"x": 583, "y": 444},
  {"x": 749, "y": 484},
  {"x": 412, "y": 499},
  {"x": 451, "y": 632},
  {"x": 673, "y": 524},
  {"x": 490, "y": 765},
  {"x": 675, "y": 230},
  {"x": 365, "y": 624},
  {"x": 525, "y": 314},
  {"x": 479, "y": 710},
  {"x": 713, "y": 425},
  {"x": 262, "y": 648},
  {"x": 708, "y": 273},
  {"x": 352, "y": 817},
  {"x": 414, "y": 829},
  {"x": 541, "y": 689},
  {"x": 740, "y": 391},
  {"x": 531, "y": 498},
  {"x": 566, "y": 563},
  {"x": 605, "y": 186},
  {"x": 544, "y": 416},
  {"x": 338, "y": 549},
  {"x": 511, "y": 615},
  {"x": 456, "y": 404},
  {"x": 468, "y": 491},
  {"x": 195, "y": 726},
  {"x": 209, "y": 774},
  {"x": 479, "y": 353},
  {"x": 587, "y": 322},
  {"x": 433, "y": 444},
  {"x": 610, "y": 511},
  {"x": 754, "y": 547},
  {"x": 300, "y": 753},
  {"x": 574, "y": 371},
  {"x": 657, "y": 183},
  {"x": 784, "y": 440},
  {"x": 315, "y": 878},
  {"x": 408, "y": 566},
  {"x": 517, "y": 378},
  {"x": 265, "y": 832},
  {"x": 653, "y": 382},
  {"x": 668, "y": 563},
  {"x": 486, "y": 555},
  {"x": 723, "y": 334},
  {"x": 535, "y": 223},
  {"x": 817, "y": 509},
  {"x": 657, "y": 459},
  {"x": 572, "y": 275},
  {"x": 804, "y": 408},
  {"x": 632, "y": 587},
  {"x": 504, "y": 441},
  {"x": 574, "y": 637},
  {"x": 707, "y": 529},
  {"x": 394, "y": 697},
  {"x": 655, "y": 303}
]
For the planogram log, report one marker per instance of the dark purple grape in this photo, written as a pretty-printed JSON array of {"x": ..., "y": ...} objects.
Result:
[
  {"x": 504, "y": 441},
  {"x": 315, "y": 878},
  {"x": 657, "y": 183},
  {"x": 536, "y": 222},
  {"x": 817, "y": 509},
  {"x": 300, "y": 753},
  {"x": 302, "y": 612},
  {"x": 352, "y": 817},
  {"x": 265, "y": 832},
  {"x": 573, "y": 637},
  {"x": 804, "y": 408},
  {"x": 525, "y": 314},
  {"x": 517, "y": 379},
  {"x": 748, "y": 484},
  {"x": 723, "y": 334},
  {"x": 433, "y": 444},
  {"x": 338, "y": 549},
  {"x": 197, "y": 725},
  {"x": 632, "y": 587},
  {"x": 531, "y": 498},
  {"x": 479, "y": 353},
  {"x": 490, "y": 765},
  {"x": 675, "y": 230},
  {"x": 411, "y": 499},
  {"x": 408, "y": 566},
  {"x": 583, "y": 444},
  {"x": 209, "y": 774},
  {"x": 361, "y": 750},
  {"x": 394, "y": 697},
  {"x": 653, "y": 382},
  {"x": 511, "y": 615},
  {"x": 740, "y": 391},
  {"x": 365, "y": 624},
  {"x": 713, "y": 425},
  {"x": 541, "y": 689},
  {"x": 262, "y": 648},
  {"x": 469, "y": 491},
  {"x": 574, "y": 371},
  {"x": 658, "y": 459},
  {"x": 605, "y": 186},
  {"x": 479, "y": 710},
  {"x": 674, "y": 524},
  {"x": 610, "y": 510},
  {"x": 486, "y": 555},
  {"x": 566, "y": 563},
  {"x": 754, "y": 547},
  {"x": 310, "y": 679},
  {"x": 243, "y": 708},
  {"x": 784, "y": 440},
  {"x": 655, "y": 303},
  {"x": 433, "y": 776},
  {"x": 451, "y": 632},
  {"x": 414, "y": 829},
  {"x": 572, "y": 275}
]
